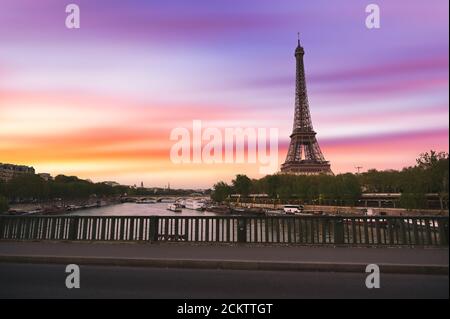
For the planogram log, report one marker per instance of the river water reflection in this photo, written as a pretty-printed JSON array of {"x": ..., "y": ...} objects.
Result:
[{"x": 133, "y": 209}]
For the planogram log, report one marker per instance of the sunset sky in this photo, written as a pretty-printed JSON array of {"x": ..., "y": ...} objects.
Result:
[{"x": 100, "y": 101}]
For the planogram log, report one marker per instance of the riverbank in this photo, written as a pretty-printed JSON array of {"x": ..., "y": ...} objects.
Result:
[
  {"x": 60, "y": 207},
  {"x": 349, "y": 210}
]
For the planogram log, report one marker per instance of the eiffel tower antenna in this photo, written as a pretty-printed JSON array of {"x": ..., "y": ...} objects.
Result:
[{"x": 304, "y": 155}]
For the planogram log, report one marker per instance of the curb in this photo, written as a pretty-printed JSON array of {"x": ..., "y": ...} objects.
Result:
[
  {"x": 230, "y": 264},
  {"x": 222, "y": 244}
]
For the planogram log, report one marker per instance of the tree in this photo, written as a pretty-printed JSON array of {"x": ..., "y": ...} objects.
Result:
[
  {"x": 435, "y": 164},
  {"x": 220, "y": 192},
  {"x": 272, "y": 184},
  {"x": 430, "y": 160},
  {"x": 27, "y": 186},
  {"x": 413, "y": 200},
  {"x": 348, "y": 188},
  {"x": 242, "y": 185},
  {"x": 2, "y": 188},
  {"x": 66, "y": 179},
  {"x": 3, "y": 204}
]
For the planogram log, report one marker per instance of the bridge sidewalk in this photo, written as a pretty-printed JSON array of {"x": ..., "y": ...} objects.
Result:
[{"x": 400, "y": 260}]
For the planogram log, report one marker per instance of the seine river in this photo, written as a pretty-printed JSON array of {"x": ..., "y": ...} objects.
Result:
[{"x": 132, "y": 209}]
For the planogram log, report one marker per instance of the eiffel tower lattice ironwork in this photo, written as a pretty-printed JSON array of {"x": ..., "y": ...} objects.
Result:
[{"x": 304, "y": 156}]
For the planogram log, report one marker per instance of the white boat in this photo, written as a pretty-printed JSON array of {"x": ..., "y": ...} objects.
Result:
[
  {"x": 181, "y": 203},
  {"x": 174, "y": 208},
  {"x": 293, "y": 209},
  {"x": 195, "y": 204},
  {"x": 146, "y": 201}
]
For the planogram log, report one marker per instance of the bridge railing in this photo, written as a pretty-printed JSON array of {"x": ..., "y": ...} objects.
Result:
[{"x": 315, "y": 230}]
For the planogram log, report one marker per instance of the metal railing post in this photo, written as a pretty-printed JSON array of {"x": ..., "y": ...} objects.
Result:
[
  {"x": 242, "y": 230},
  {"x": 73, "y": 228},
  {"x": 154, "y": 221},
  {"x": 338, "y": 231},
  {"x": 2, "y": 230},
  {"x": 443, "y": 231}
]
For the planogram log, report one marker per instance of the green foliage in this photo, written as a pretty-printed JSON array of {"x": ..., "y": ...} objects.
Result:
[
  {"x": 242, "y": 185},
  {"x": 315, "y": 189},
  {"x": 347, "y": 188},
  {"x": 27, "y": 186},
  {"x": 431, "y": 160},
  {"x": 33, "y": 187},
  {"x": 430, "y": 175},
  {"x": 220, "y": 192},
  {"x": 2, "y": 188},
  {"x": 3, "y": 204},
  {"x": 413, "y": 200}
]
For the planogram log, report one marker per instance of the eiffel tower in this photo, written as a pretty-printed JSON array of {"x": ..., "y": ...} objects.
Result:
[{"x": 304, "y": 156}]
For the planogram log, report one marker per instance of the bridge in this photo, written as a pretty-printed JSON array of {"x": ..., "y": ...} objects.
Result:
[{"x": 160, "y": 198}]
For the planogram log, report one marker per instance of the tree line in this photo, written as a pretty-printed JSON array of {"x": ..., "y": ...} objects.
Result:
[
  {"x": 429, "y": 175},
  {"x": 31, "y": 187}
]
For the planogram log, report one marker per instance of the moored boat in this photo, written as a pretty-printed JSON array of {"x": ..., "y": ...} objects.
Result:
[
  {"x": 181, "y": 203},
  {"x": 293, "y": 209},
  {"x": 195, "y": 204},
  {"x": 174, "y": 208}
]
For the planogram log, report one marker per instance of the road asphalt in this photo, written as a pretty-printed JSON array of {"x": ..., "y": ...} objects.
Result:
[{"x": 48, "y": 281}]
